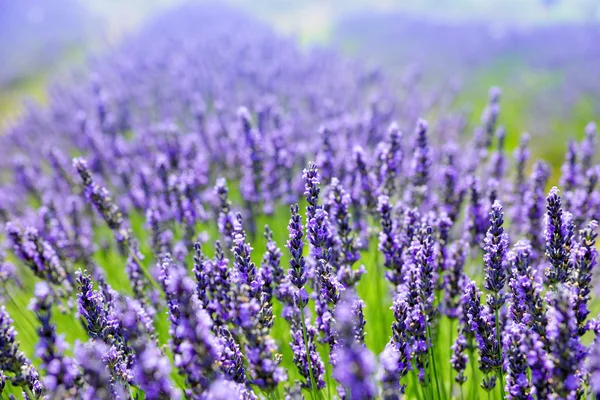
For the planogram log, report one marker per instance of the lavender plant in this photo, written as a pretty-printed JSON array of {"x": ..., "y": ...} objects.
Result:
[{"x": 420, "y": 266}]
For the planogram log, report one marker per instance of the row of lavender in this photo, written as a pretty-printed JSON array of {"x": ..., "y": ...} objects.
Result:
[{"x": 160, "y": 128}]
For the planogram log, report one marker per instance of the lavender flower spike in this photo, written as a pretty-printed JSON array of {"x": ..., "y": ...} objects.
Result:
[
  {"x": 558, "y": 236},
  {"x": 517, "y": 383},
  {"x": 495, "y": 247},
  {"x": 354, "y": 363},
  {"x": 564, "y": 348}
]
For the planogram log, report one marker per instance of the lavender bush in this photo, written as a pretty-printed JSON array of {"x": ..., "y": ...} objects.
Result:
[{"x": 213, "y": 213}]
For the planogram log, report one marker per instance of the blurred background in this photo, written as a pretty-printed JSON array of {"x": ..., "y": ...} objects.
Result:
[{"x": 544, "y": 54}]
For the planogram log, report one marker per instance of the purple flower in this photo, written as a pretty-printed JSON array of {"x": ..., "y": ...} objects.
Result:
[
  {"x": 482, "y": 325},
  {"x": 565, "y": 352},
  {"x": 232, "y": 359},
  {"x": 271, "y": 272},
  {"x": 459, "y": 359},
  {"x": 92, "y": 357},
  {"x": 495, "y": 247},
  {"x": 420, "y": 165},
  {"x": 570, "y": 170},
  {"x": 392, "y": 164},
  {"x": 225, "y": 219},
  {"x": 454, "y": 279},
  {"x": 520, "y": 186},
  {"x": 339, "y": 203},
  {"x": 389, "y": 373},
  {"x": 298, "y": 270},
  {"x": 194, "y": 345},
  {"x": 558, "y": 235},
  {"x": 534, "y": 202},
  {"x": 593, "y": 367},
  {"x": 102, "y": 201},
  {"x": 400, "y": 347},
  {"x": 526, "y": 304},
  {"x": 13, "y": 362},
  {"x": 388, "y": 242},
  {"x": 517, "y": 383},
  {"x": 354, "y": 363},
  {"x": 584, "y": 261},
  {"x": 364, "y": 181},
  {"x": 62, "y": 372},
  {"x": 39, "y": 256}
]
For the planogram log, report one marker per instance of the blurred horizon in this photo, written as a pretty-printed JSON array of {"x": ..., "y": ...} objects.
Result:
[{"x": 379, "y": 33}]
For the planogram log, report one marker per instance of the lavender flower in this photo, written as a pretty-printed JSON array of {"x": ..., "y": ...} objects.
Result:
[
  {"x": 496, "y": 245},
  {"x": 459, "y": 359},
  {"x": 225, "y": 215},
  {"x": 271, "y": 272},
  {"x": 584, "y": 261},
  {"x": 92, "y": 356},
  {"x": 348, "y": 254},
  {"x": 62, "y": 373},
  {"x": 354, "y": 363},
  {"x": 13, "y": 361},
  {"x": 517, "y": 383},
  {"x": 195, "y": 347},
  {"x": 393, "y": 160},
  {"x": 400, "y": 348},
  {"x": 482, "y": 324},
  {"x": 534, "y": 203},
  {"x": 526, "y": 304},
  {"x": 565, "y": 352},
  {"x": 100, "y": 198},
  {"x": 365, "y": 181},
  {"x": 39, "y": 256},
  {"x": 420, "y": 165},
  {"x": 558, "y": 236},
  {"x": 388, "y": 242}
]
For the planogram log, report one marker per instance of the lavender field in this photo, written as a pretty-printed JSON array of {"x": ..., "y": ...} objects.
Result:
[{"x": 208, "y": 209}]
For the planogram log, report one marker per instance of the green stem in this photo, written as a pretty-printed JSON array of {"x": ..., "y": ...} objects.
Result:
[
  {"x": 499, "y": 338},
  {"x": 451, "y": 338},
  {"x": 473, "y": 370},
  {"x": 313, "y": 386},
  {"x": 462, "y": 396},
  {"x": 435, "y": 374}
]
